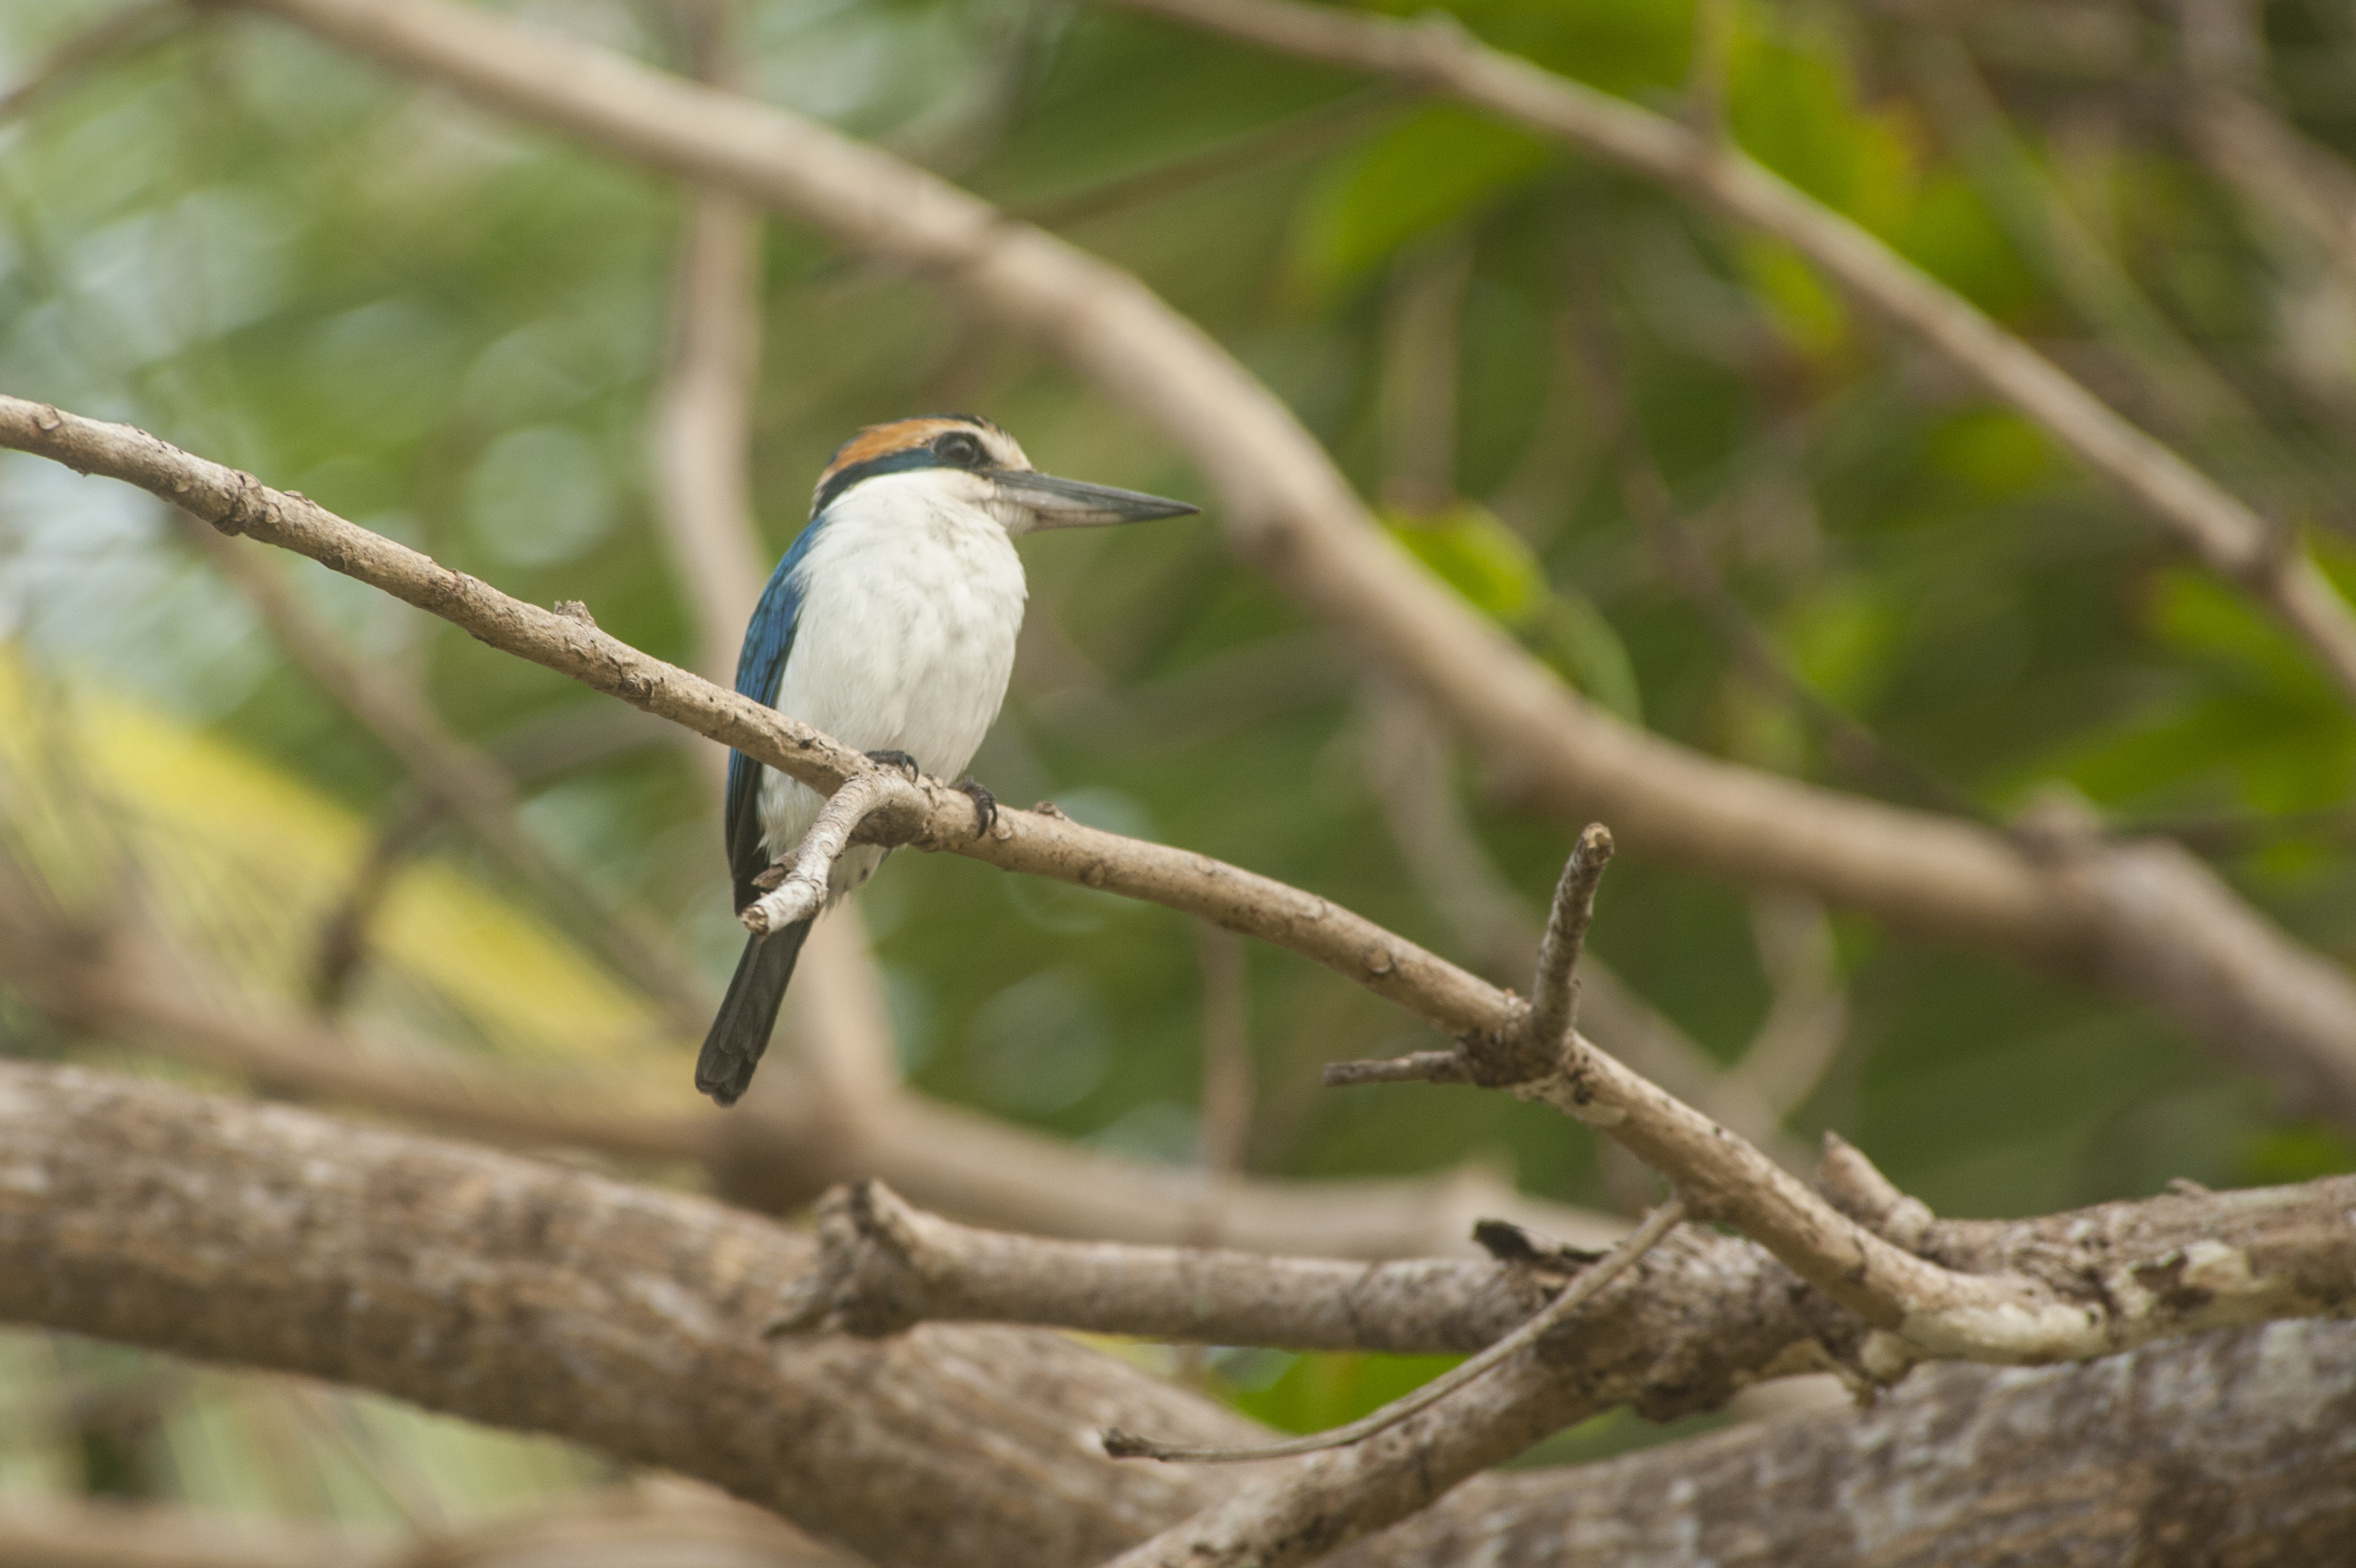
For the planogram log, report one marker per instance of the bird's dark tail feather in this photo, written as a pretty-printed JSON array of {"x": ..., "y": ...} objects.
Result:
[{"x": 741, "y": 1033}]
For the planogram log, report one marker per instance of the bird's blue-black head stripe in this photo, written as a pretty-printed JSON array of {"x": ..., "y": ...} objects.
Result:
[
  {"x": 901, "y": 446},
  {"x": 899, "y": 462}
]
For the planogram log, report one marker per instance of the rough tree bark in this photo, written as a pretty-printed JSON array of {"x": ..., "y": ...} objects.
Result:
[
  {"x": 2236, "y": 1450},
  {"x": 535, "y": 1296}
]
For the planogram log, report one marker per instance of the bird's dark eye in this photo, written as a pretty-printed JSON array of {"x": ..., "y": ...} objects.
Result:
[{"x": 958, "y": 449}]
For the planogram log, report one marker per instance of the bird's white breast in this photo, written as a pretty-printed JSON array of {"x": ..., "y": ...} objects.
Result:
[{"x": 912, "y": 598}]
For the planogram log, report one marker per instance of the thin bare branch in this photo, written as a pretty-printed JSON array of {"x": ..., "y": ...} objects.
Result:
[
  {"x": 1807, "y": 1019},
  {"x": 1225, "y": 1117},
  {"x": 2258, "y": 154},
  {"x": 1918, "y": 1306},
  {"x": 2047, "y": 231},
  {"x": 934, "y": 817},
  {"x": 802, "y": 892},
  {"x": 1713, "y": 54},
  {"x": 886, "y": 1267},
  {"x": 1584, "y": 1287},
  {"x": 1852, "y": 746},
  {"x": 1855, "y": 1185}
]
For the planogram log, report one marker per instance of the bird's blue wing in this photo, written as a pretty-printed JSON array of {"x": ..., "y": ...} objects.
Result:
[{"x": 768, "y": 640}]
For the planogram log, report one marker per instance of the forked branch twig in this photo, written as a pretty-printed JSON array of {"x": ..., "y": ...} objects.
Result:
[{"x": 1583, "y": 1288}]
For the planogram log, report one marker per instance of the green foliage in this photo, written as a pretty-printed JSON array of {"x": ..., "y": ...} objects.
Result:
[
  {"x": 2302, "y": 1152},
  {"x": 1432, "y": 170},
  {"x": 1316, "y": 1392},
  {"x": 1467, "y": 548}
]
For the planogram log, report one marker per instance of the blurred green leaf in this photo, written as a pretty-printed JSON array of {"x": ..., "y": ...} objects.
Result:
[
  {"x": 1574, "y": 638},
  {"x": 1423, "y": 173},
  {"x": 1326, "y": 1390},
  {"x": 1841, "y": 639},
  {"x": 1468, "y": 548},
  {"x": 248, "y": 861},
  {"x": 1949, "y": 233},
  {"x": 2282, "y": 1156},
  {"x": 1808, "y": 313},
  {"x": 1996, "y": 451},
  {"x": 2260, "y": 719}
]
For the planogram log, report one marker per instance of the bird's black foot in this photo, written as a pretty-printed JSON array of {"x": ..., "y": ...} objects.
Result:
[
  {"x": 985, "y": 807},
  {"x": 899, "y": 759}
]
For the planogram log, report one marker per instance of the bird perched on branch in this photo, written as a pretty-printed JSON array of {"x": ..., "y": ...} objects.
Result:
[{"x": 890, "y": 624}]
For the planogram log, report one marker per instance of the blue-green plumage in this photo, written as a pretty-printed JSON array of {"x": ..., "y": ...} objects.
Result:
[{"x": 891, "y": 624}]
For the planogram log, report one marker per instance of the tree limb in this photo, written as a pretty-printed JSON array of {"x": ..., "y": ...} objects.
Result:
[
  {"x": 543, "y": 1298},
  {"x": 646, "y": 1523},
  {"x": 800, "y": 892},
  {"x": 552, "y": 1299},
  {"x": 886, "y": 1267},
  {"x": 2232, "y": 1448},
  {"x": 2195, "y": 1259}
]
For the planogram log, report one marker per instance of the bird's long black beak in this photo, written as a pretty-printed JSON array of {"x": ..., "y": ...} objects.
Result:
[{"x": 1070, "y": 503}]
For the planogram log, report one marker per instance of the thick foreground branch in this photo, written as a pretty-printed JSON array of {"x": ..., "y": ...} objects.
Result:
[
  {"x": 533, "y": 1296},
  {"x": 2237, "y": 1448},
  {"x": 2153, "y": 1268},
  {"x": 887, "y": 1267},
  {"x": 648, "y": 1522},
  {"x": 545, "y": 1298}
]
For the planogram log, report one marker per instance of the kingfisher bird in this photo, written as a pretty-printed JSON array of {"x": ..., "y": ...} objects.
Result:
[{"x": 890, "y": 624}]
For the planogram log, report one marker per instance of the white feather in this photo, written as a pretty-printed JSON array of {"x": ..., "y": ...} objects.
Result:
[{"x": 911, "y": 601}]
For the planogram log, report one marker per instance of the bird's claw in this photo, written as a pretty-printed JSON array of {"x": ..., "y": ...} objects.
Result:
[
  {"x": 899, "y": 759},
  {"x": 985, "y": 807}
]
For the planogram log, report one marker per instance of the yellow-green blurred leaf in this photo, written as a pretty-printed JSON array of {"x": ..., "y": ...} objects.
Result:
[
  {"x": 248, "y": 861},
  {"x": 1470, "y": 550}
]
